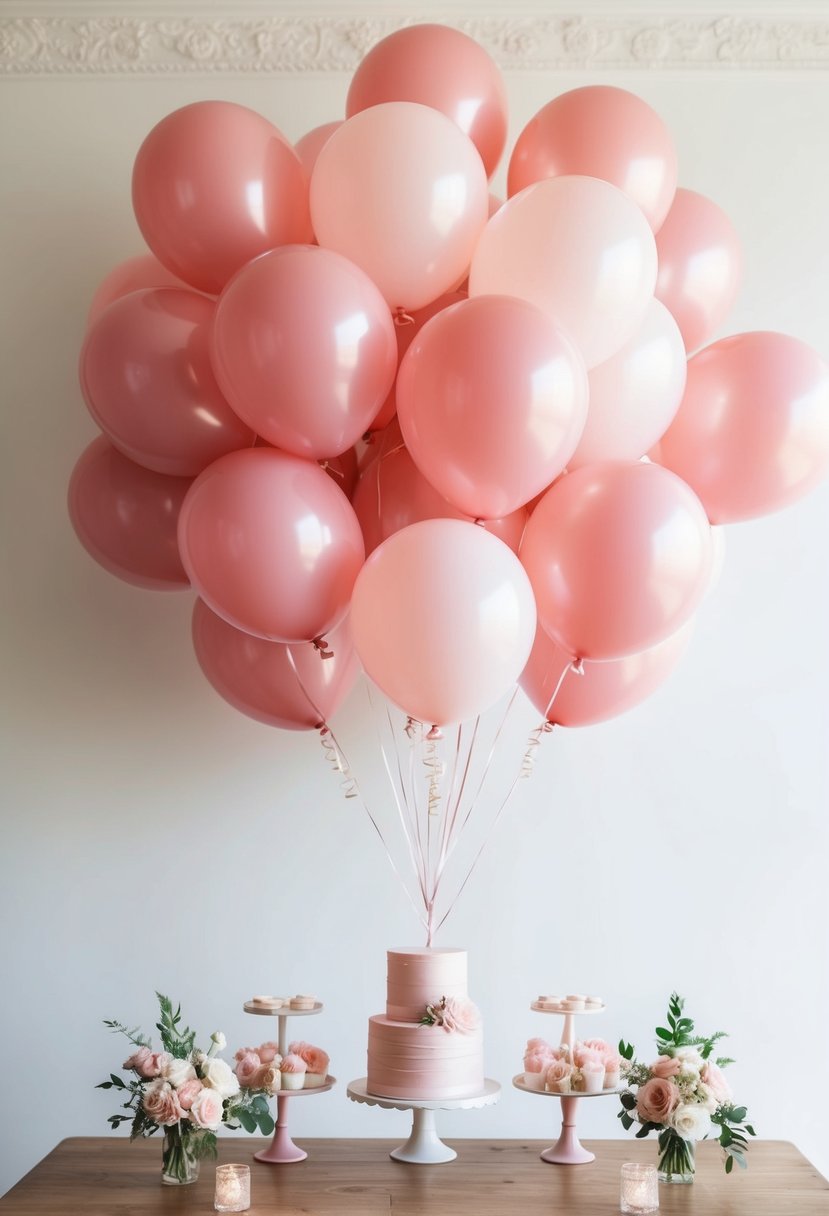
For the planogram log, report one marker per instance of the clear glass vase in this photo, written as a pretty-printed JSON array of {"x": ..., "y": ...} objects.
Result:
[
  {"x": 179, "y": 1165},
  {"x": 677, "y": 1162}
]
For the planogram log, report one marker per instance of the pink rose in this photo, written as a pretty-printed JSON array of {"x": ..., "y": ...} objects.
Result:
[
  {"x": 243, "y": 1051},
  {"x": 540, "y": 1046},
  {"x": 315, "y": 1058},
  {"x": 141, "y": 1061},
  {"x": 247, "y": 1069},
  {"x": 582, "y": 1054},
  {"x": 665, "y": 1066},
  {"x": 601, "y": 1048},
  {"x": 460, "y": 1015},
  {"x": 656, "y": 1099},
  {"x": 536, "y": 1062},
  {"x": 188, "y": 1091},
  {"x": 206, "y": 1110},
  {"x": 557, "y": 1072},
  {"x": 714, "y": 1078},
  {"x": 268, "y": 1052},
  {"x": 161, "y": 1103}
]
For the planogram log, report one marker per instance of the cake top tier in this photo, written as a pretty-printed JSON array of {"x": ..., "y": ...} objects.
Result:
[
  {"x": 418, "y": 977},
  {"x": 423, "y": 952}
]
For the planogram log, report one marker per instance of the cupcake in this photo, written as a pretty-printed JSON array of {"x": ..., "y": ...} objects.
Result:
[
  {"x": 316, "y": 1062},
  {"x": 612, "y": 1071},
  {"x": 535, "y": 1070},
  {"x": 557, "y": 1077},
  {"x": 268, "y": 1052},
  {"x": 293, "y": 1069},
  {"x": 592, "y": 1072}
]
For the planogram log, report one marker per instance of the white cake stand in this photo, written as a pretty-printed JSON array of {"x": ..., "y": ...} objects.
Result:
[
  {"x": 424, "y": 1146},
  {"x": 282, "y": 1149}
]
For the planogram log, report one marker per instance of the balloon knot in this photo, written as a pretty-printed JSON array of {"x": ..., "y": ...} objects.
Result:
[
  {"x": 577, "y": 667},
  {"x": 548, "y": 726},
  {"x": 481, "y": 523},
  {"x": 410, "y": 727},
  {"x": 401, "y": 317},
  {"x": 435, "y": 733},
  {"x": 321, "y": 647}
]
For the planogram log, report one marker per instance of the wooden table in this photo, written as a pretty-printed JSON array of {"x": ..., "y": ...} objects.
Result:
[{"x": 112, "y": 1177}]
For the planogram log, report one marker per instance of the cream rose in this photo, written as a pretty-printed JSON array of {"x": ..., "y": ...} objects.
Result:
[
  {"x": 177, "y": 1071},
  {"x": 218, "y": 1075},
  {"x": 656, "y": 1099},
  {"x": 691, "y": 1121},
  {"x": 161, "y": 1104},
  {"x": 690, "y": 1061},
  {"x": 460, "y": 1015},
  {"x": 206, "y": 1110}
]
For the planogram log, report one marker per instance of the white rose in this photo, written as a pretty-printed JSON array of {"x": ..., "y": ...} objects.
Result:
[
  {"x": 218, "y": 1075},
  {"x": 705, "y": 1096},
  {"x": 691, "y": 1121},
  {"x": 177, "y": 1071}
]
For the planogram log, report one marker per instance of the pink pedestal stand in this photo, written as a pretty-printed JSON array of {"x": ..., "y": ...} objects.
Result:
[{"x": 282, "y": 1150}]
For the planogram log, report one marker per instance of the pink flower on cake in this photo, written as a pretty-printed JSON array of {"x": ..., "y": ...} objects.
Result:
[
  {"x": 188, "y": 1093},
  {"x": 268, "y": 1052},
  {"x": 714, "y": 1078},
  {"x": 315, "y": 1058},
  {"x": 656, "y": 1099},
  {"x": 161, "y": 1103},
  {"x": 460, "y": 1015},
  {"x": 665, "y": 1066},
  {"x": 206, "y": 1110},
  {"x": 247, "y": 1070}
]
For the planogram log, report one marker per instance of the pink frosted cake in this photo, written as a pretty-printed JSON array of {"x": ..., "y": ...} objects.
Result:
[{"x": 441, "y": 1059}]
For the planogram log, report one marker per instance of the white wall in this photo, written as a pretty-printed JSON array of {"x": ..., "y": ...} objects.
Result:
[{"x": 153, "y": 838}]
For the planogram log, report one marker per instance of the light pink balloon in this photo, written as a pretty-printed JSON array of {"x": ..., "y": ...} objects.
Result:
[
  {"x": 442, "y": 68},
  {"x": 147, "y": 381},
  {"x": 600, "y": 131},
  {"x": 271, "y": 544},
  {"x": 309, "y": 147},
  {"x": 130, "y": 275},
  {"x": 579, "y": 249},
  {"x": 752, "y": 432},
  {"x": 304, "y": 349},
  {"x": 443, "y": 619},
  {"x": 125, "y": 517},
  {"x": 257, "y": 677},
  {"x": 214, "y": 185},
  {"x": 392, "y": 494},
  {"x": 619, "y": 556},
  {"x": 491, "y": 399},
  {"x": 700, "y": 266},
  {"x": 635, "y": 394},
  {"x": 402, "y": 192},
  {"x": 604, "y": 690}
]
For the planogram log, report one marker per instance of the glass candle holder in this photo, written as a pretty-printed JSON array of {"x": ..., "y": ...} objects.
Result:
[
  {"x": 232, "y": 1188},
  {"x": 639, "y": 1191}
]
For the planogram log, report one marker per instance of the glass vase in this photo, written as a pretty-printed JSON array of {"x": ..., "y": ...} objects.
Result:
[
  {"x": 676, "y": 1158},
  {"x": 179, "y": 1165}
]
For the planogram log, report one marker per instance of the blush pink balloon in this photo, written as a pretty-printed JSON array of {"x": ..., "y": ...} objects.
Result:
[
  {"x": 392, "y": 493},
  {"x": 439, "y": 67},
  {"x": 619, "y": 555},
  {"x": 304, "y": 349},
  {"x": 635, "y": 394},
  {"x": 309, "y": 147},
  {"x": 147, "y": 381},
  {"x": 125, "y": 517},
  {"x": 131, "y": 275},
  {"x": 752, "y": 432},
  {"x": 491, "y": 399},
  {"x": 271, "y": 544},
  {"x": 579, "y": 249},
  {"x": 600, "y": 131},
  {"x": 291, "y": 687},
  {"x": 700, "y": 266},
  {"x": 604, "y": 690},
  {"x": 399, "y": 190},
  {"x": 214, "y": 185},
  {"x": 443, "y": 619}
]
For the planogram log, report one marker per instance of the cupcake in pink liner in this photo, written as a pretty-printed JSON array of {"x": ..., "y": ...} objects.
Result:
[
  {"x": 557, "y": 1077},
  {"x": 293, "y": 1069},
  {"x": 316, "y": 1061},
  {"x": 268, "y": 1052},
  {"x": 601, "y": 1048},
  {"x": 582, "y": 1053},
  {"x": 592, "y": 1072},
  {"x": 612, "y": 1070},
  {"x": 535, "y": 1069},
  {"x": 540, "y": 1047}
]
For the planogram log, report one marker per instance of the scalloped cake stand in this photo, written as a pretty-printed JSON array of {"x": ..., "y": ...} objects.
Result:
[
  {"x": 424, "y": 1146},
  {"x": 282, "y": 1149}
]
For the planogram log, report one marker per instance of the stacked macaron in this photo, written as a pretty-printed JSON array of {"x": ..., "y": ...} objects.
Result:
[{"x": 573, "y": 1003}]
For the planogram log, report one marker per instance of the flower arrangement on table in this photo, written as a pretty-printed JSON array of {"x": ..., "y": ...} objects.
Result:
[
  {"x": 684, "y": 1096},
  {"x": 589, "y": 1067},
  {"x": 452, "y": 1013},
  {"x": 187, "y": 1092},
  {"x": 263, "y": 1070}
]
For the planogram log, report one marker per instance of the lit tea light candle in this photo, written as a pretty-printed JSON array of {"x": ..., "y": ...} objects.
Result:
[
  {"x": 232, "y": 1188},
  {"x": 639, "y": 1189}
]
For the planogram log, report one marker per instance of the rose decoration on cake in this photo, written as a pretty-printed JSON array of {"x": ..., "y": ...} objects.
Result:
[{"x": 452, "y": 1014}]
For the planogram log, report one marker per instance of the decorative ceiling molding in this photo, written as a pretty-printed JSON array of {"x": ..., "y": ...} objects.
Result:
[{"x": 155, "y": 46}]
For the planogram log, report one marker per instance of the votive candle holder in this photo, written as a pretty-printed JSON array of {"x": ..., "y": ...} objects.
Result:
[
  {"x": 232, "y": 1188},
  {"x": 639, "y": 1191}
]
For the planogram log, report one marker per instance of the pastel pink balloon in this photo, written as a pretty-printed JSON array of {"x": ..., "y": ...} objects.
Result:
[
  {"x": 635, "y": 394},
  {"x": 604, "y": 690},
  {"x": 402, "y": 192},
  {"x": 579, "y": 249},
  {"x": 311, "y": 144},
  {"x": 214, "y": 185},
  {"x": 491, "y": 399},
  {"x": 619, "y": 556},
  {"x": 443, "y": 619},
  {"x": 442, "y": 68},
  {"x": 700, "y": 266},
  {"x": 125, "y": 517},
  {"x": 257, "y": 677},
  {"x": 752, "y": 432},
  {"x": 392, "y": 493},
  {"x": 304, "y": 349},
  {"x": 271, "y": 544},
  {"x": 147, "y": 381},
  {"x": 600, "y": 131},
  {"x": 130, "y": 275}
]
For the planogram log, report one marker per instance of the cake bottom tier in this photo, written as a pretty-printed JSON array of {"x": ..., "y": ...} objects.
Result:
[{"x": 406, "y": 1060}]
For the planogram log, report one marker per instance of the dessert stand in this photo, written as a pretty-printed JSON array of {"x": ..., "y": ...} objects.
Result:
[
  {"x": 567, "y": 1150},
  {"x": 282, "y": 1149},
  {"x": 424, "y": 1146}
]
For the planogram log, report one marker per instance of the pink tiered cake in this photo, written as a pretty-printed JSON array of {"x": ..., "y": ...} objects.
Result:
[{"x": 410, "y": 1060}]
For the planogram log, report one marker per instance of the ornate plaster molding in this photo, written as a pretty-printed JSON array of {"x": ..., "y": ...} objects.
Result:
[{"x": 144, "y": 45}]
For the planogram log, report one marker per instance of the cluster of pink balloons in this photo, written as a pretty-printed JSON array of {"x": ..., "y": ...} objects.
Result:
[{"x": 368, "y": 412}]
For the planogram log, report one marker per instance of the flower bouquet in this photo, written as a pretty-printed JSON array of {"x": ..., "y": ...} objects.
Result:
[
  {"x": 684, "y": 1096},
  {"x": 187, "y": 1092}
]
